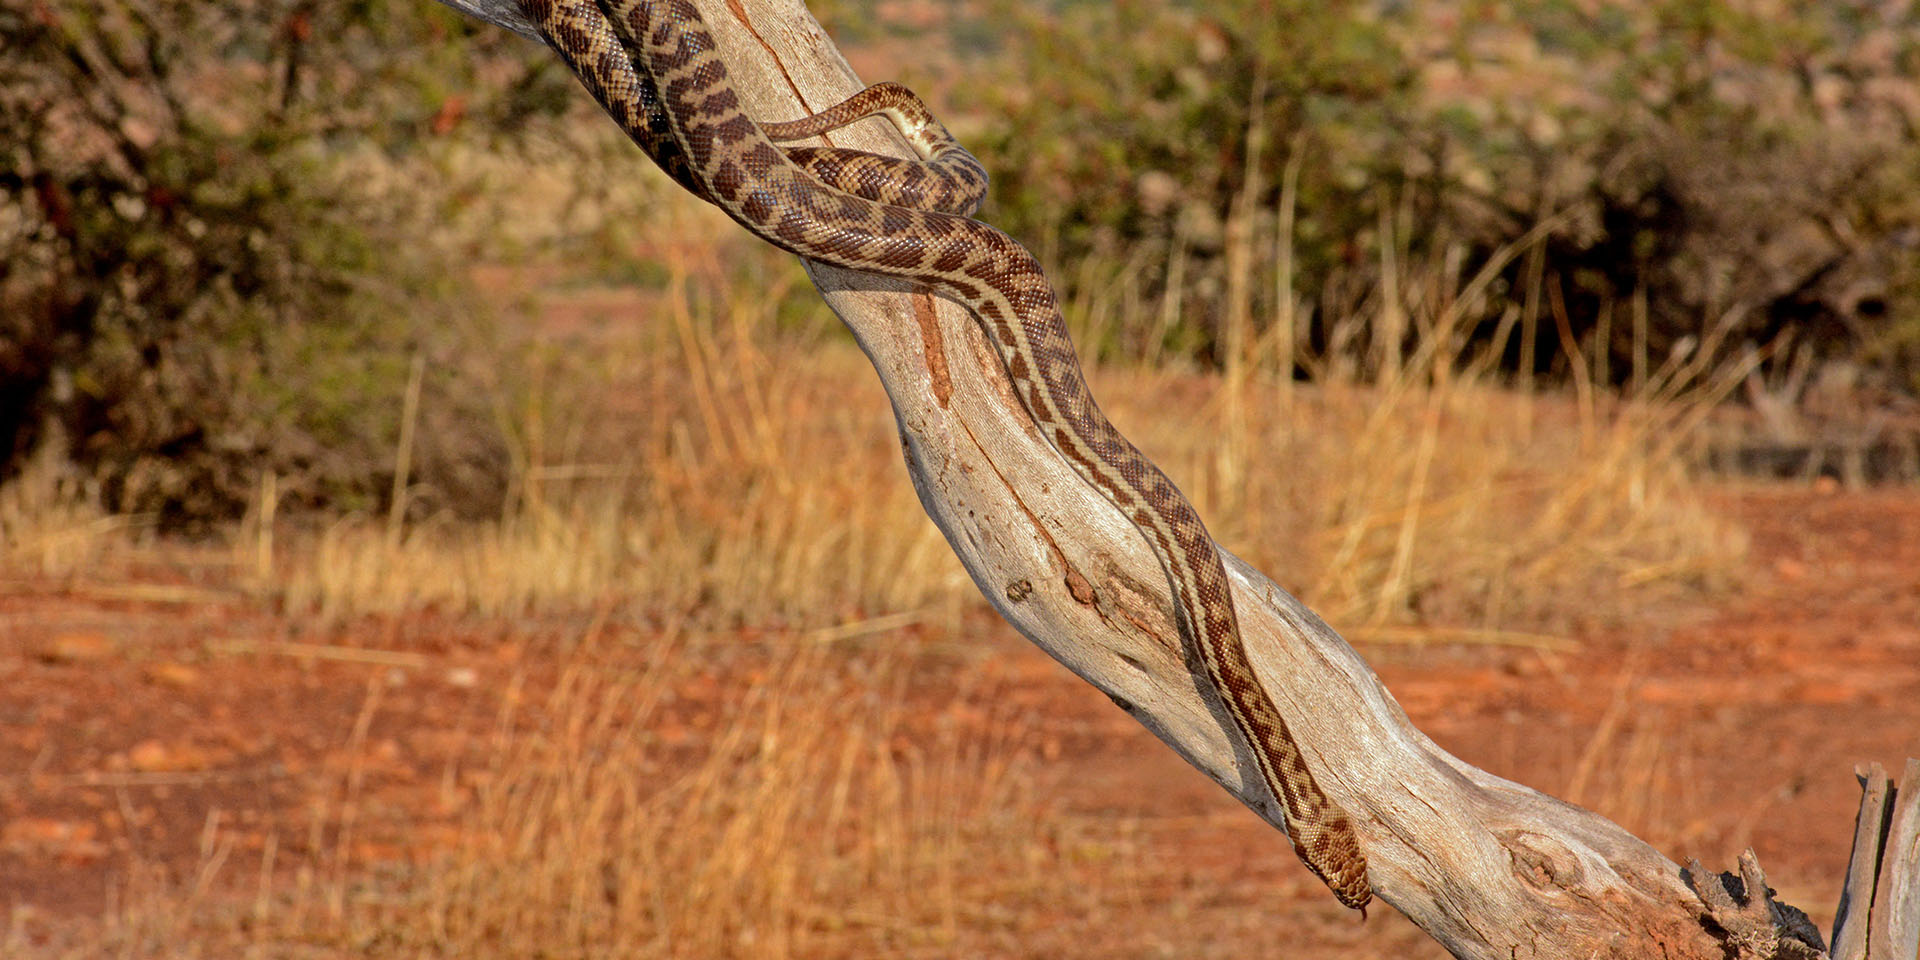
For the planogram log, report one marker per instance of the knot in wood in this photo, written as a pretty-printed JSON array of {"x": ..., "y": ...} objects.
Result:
[
  {"x": 1541, "y": 861},
  {"x": 1079, "y": 588}
]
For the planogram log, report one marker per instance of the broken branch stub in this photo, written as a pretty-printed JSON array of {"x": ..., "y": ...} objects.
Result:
[{"x": 1879, "y": 913}]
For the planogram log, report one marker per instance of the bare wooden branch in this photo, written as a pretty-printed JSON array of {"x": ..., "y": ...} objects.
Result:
[
  {"x": 1491, "y": 869},
  {"x": 1863, "y": 867},
  {"x": 1879, "y": 913},
  {"x": 1894, "y": 924}
]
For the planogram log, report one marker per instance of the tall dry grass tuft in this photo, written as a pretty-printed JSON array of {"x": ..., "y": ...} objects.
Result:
[
  {"x": 1443, "y": 507},
  {"x": 677, "y": 452},
  {"x": 52, "y": 526},
  {"x": 798, "y": 819},
  {"x": 682, "y": 452},
  {"x": 1429, "y": 493}
]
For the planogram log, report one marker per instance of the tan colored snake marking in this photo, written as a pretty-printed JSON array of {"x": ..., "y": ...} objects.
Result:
[{"x": 654, "y": 66}]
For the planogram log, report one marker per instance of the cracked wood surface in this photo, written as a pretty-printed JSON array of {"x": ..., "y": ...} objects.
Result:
[{"x": 1489, "y": 868}]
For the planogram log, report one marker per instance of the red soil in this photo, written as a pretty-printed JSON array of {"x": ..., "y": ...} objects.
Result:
[{"x": 139, "y": 721}]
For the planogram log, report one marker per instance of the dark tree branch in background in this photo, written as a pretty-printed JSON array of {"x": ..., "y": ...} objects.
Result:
[{"x": 1491, "y": 869}]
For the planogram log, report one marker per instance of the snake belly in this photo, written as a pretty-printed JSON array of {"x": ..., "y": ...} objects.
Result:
[{"x": 655, "y": 68}]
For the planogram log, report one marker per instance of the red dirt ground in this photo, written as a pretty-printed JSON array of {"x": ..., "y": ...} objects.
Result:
[{"x": 140, "y": 719}]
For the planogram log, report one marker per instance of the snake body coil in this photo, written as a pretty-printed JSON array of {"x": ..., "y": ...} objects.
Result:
[{"x": 654, "y": 66}]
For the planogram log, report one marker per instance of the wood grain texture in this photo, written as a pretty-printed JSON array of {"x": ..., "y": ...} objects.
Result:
[
  {"x": 1895, "y": 924},
  {"x": 1863, "y": 866}
]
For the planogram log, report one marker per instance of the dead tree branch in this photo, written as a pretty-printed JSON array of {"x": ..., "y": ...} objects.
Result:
[{"x": 1492, "y": 869}]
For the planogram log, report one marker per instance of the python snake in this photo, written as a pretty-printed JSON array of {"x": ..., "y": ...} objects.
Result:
[{"x": 655, "y": 68}]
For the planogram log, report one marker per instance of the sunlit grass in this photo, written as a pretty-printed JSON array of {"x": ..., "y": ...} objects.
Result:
[
  {"x": 682, "y": 453},
  {"x": 628, "y": 806},
  {"x": 52, "y": 526}
]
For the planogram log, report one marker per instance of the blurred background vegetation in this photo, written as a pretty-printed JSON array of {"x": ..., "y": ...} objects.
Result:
[
  {"x": 221, "y": 246},
  {"x": 1736, "y": 170},
  {"x": 234, "y": 234}
]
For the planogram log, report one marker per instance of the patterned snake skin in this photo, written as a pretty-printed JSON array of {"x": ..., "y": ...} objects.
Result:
[{"x": 653, "y": 65}]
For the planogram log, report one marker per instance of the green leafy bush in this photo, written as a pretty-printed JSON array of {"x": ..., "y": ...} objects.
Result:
[
  {"x": 200, "y": 279},
  {"x": 1716, "y": 170}
]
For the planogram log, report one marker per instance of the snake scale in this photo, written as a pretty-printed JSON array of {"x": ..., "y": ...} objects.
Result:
[{"x": 655, "y": 68}]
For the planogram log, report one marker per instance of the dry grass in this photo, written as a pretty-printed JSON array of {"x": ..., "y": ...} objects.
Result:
[
  {"x": 681, "y": 456},
  {"x": 802, "y": 823},
  {"x": 1465, "y": 507},
  {"x": 51, "y": 525},
  {"x": 823, "y": 810},
  {"x": 745, "y": 473},
  {"x": 671, "y": 465}
]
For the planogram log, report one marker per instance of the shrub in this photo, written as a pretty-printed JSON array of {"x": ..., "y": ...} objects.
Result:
[
  {"x": 198, "y": 281},
  {"x": 1718, "y": 170}
]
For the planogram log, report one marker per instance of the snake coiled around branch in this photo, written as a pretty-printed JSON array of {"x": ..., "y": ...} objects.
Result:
[{"x": 655, "y": 68}]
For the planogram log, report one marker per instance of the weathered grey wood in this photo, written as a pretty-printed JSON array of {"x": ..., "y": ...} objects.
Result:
[
  {"x": 505, "y": 13},
  {"x": 1850, "y": 918},
  {"x": 1491, "y": 869},
  {"x": 1895, "y": 923}
]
